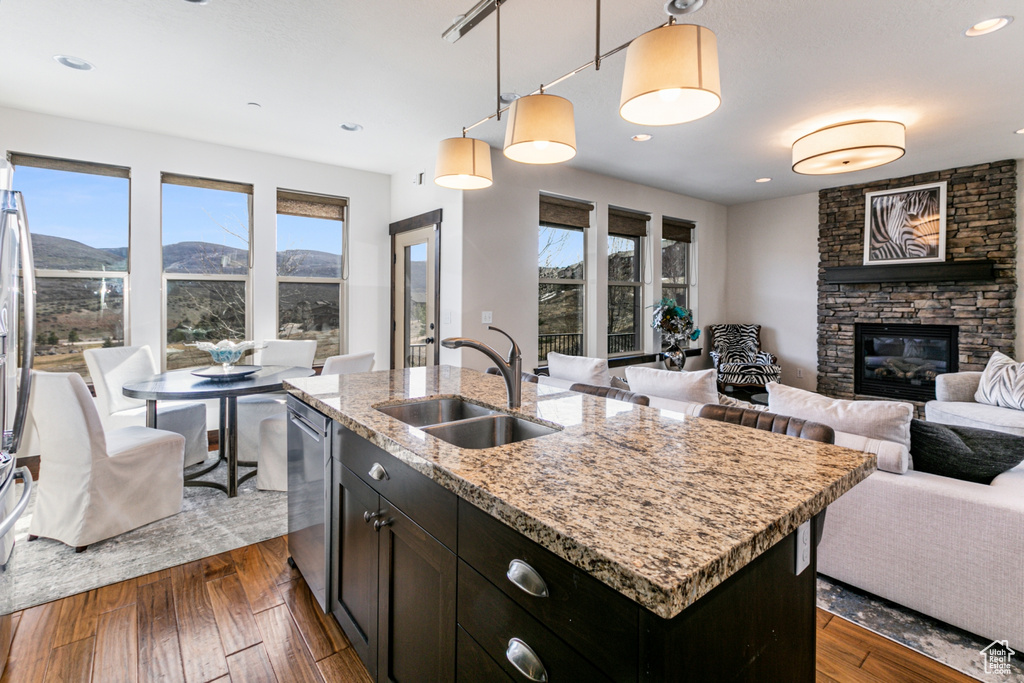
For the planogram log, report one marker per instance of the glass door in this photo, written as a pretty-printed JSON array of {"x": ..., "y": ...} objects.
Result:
[{"x": 414, "y": 329}]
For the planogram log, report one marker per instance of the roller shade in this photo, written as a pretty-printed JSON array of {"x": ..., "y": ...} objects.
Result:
[
  {"x": 311, "y": 205},
  {"x": 626, "y": 222},
  {"x": 68, "y": 165},
  {"x": 569, "y": 212},
  {"x": 209, "y": 184},
  {"x": 677, "y": 229}
]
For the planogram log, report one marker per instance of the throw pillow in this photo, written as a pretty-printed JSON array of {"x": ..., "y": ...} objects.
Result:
[
  {"x": 691, "y": 387},
  {"x": 579, "y": 369},
  {"x": 1002, "y": 383},
  {"x": 884, "y": 420},
  {"x": 967, "y": 453}
]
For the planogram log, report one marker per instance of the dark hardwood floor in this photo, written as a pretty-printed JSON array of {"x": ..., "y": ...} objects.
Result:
[{"x": 245, "y": 616}]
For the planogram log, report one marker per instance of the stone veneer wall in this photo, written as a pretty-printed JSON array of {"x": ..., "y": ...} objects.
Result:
[{"x": 980, "y": 223}]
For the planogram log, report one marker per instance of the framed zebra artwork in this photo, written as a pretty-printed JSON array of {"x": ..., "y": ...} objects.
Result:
[{"x": 906, "y": 225}]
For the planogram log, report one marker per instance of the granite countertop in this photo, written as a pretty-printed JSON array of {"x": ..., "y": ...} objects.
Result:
[{"x": 660, "y": 506}]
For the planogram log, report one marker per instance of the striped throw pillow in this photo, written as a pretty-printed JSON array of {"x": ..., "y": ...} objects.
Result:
[{"x": 1002, "y": 383}]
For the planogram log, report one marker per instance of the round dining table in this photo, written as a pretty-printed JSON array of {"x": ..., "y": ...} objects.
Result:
[{"x": 182, "y": 385}]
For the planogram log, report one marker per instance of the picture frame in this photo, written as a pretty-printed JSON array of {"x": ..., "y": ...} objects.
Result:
[{"x": 905, "y": 225}]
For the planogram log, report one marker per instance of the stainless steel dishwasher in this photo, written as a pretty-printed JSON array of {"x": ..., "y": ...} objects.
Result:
[{"x": 309, "y": 495}]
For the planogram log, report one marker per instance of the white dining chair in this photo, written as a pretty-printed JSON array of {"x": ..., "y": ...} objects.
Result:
[
  {"x": 295, "y": 353},
  {"x": 93, "y": 483},
  {"x": 112, "y": 368},
  {"x": 272, "y": 473}
]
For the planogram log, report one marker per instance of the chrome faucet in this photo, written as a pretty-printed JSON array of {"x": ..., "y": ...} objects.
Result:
[{"x": 510, "y": 369}]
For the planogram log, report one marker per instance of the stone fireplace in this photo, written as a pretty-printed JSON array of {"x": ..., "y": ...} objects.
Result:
[{"x": 980, "y": 227}]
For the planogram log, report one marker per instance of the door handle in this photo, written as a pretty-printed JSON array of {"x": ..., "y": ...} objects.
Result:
[
  {"x": 370, "y": 516},
  {"x": 381, "y": 523},
  {"x": 428, "y": 340}
]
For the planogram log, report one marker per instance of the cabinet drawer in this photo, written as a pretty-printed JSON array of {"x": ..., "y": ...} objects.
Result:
[
  {"x": 475, "y": 665},
  {"x": 494, "y": 621},
  {"x": 593, "y": 618},
  {"x": 433, "y": 507}
]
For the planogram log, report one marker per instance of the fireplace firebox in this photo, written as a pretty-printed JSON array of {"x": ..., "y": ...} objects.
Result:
[{"x": 902, "y": 361}]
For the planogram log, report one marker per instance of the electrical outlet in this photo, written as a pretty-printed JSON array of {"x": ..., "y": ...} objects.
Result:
[
  {"x": 487, "y": 317},
  {"x": 799, "y": 372},
  {"x": 803, "y": 547},
  {"x": 447, "y": 317}
]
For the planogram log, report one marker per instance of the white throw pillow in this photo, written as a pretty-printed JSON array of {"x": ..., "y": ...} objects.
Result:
[
  {"x": 691, "y": 387},
  {"x": 579, "y": 369},
  {"x": 1002, "y": 383},
  {"x": 891, "y": 456},
  {"x": 884, "y": 420}
]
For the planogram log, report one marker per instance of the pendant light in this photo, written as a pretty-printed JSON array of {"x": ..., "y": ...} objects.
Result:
[
  {"x": 463, "y": 164},
  {"x": 850, "y": 146},
  {"x": 540, "y": 130},
  {"x": 671, "y": 76}
]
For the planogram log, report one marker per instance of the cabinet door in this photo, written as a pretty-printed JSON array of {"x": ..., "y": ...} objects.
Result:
[
  {"x": 416, "y": 603},
  {"x": 355, "y": 563}
]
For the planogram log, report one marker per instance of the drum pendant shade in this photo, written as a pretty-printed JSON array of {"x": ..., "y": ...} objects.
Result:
[
  {"x": 540, "y": 130},
  {"x": 851, "y": 146},
  {"x": 671, "y": 76},
  {"x": 463, "y": 164}
]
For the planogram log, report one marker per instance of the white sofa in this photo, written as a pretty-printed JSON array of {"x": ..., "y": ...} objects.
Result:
[
  {"x": 954, "y": 404},
  {"x": 951, "y": 549}
]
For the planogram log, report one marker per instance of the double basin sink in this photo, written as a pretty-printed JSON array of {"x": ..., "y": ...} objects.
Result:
[{"x": 465, "y": 424}]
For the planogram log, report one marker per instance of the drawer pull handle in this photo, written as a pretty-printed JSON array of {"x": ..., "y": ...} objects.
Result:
[
  {"x": 381, "y": 523},
  {"x": 526, "y": 661},
  {"x": 527, "y": 579},
  {"x": 378, "y": 472}
]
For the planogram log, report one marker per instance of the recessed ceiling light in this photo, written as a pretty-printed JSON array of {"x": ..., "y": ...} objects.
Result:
[
  {"x": 988, "y": 26},
  {"x": 763, "y": 180},
  {"x": 1019, "y": 132},
  {"x": 74, "y": 63},
  {"x": 351, "y": 127},
  {"x": 251, "y": 105},
  {"x": 198, "y": 2},
  {"x": 642, "y": 137}
]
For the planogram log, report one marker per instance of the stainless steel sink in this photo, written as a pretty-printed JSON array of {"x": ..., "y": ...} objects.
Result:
[
  {"x": 435, "y": 411},
  {"x": 487, "y": 432}
]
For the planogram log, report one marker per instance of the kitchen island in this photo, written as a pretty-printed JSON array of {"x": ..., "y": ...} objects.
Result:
[{"x": 630, "y": 543}]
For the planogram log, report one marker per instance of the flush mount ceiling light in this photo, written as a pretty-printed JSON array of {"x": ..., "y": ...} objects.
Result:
[
  {"x": 1019, "y": 132},
  {"x": 641, "y": 137},
  {"x": 763, "y": 180},
  {"x": 540, "y": 130},
  {"x": 351, "y": 127},
  {"x": 850, "y": 146},
  {"x": 671, "y": 76},
  {"x": 463, "y": 164},
  {"x": 992, "y": 25},
  {"x": 73, "y": 63}
]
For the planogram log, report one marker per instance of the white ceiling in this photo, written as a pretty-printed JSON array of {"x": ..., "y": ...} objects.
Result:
[{"x": 787, "y": 68}]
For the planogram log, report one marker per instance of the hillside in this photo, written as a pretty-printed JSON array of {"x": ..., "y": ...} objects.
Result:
[{"x": 64, "y": 254}]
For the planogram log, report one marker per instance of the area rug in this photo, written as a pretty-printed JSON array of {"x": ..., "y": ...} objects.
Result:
[
  {"x": 953, "y": 647},
  {"x": 209, "y": 523}
]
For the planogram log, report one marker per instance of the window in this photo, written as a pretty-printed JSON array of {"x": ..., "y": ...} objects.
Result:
[
  {"x": 561, "y": 265},
  {"x": 676, "y": 236},
  {"x": 206, "y": 230},
  {"x": 78, "y": 215},
  {"x": 310, "y": 235},
  {"x": 626, "y": 232}
]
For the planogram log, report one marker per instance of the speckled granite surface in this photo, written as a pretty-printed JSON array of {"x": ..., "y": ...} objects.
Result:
[{"x": 660, "y": 506}]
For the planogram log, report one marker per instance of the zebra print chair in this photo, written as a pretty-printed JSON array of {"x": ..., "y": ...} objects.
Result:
[{"x": 738, "y": 358}]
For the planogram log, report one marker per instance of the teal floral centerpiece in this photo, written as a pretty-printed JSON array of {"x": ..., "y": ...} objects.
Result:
[
  {"x": 226, "y": 352},
  {"x": 676, "y": 326}
]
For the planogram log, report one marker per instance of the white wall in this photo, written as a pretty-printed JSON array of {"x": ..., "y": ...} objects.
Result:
[
  {"x": 409, "y": 199},
  {"x": 499, "y": 271},
  {"x": 149, "y": 154},
  {"x": 772, "y": 275}
]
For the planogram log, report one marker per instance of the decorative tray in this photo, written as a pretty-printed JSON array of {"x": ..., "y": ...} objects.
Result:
[{"x": 228, "y": 373}]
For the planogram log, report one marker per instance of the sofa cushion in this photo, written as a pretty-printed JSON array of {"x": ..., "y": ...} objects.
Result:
[
  {"x": 977, "y": 415},
  {"x": 891, "y": 456},
  {"x": 691, "y": 387},
  {"x": 966, "y": 453},
  {"x": 883, "y": 420},
  {"x": 1002, "y": 383},
  {"x": 579, "y": 369}
]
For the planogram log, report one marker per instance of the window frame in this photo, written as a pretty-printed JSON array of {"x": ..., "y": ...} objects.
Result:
[
  {"x": 165, "y": 277},
  {"x": 581, "y": 283},
  {"x": 16, "y": 159},
  {"x": 667, "y": 287},
  {"x": 638, "y": 284},
  {"x": 341, "y": 280}
]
